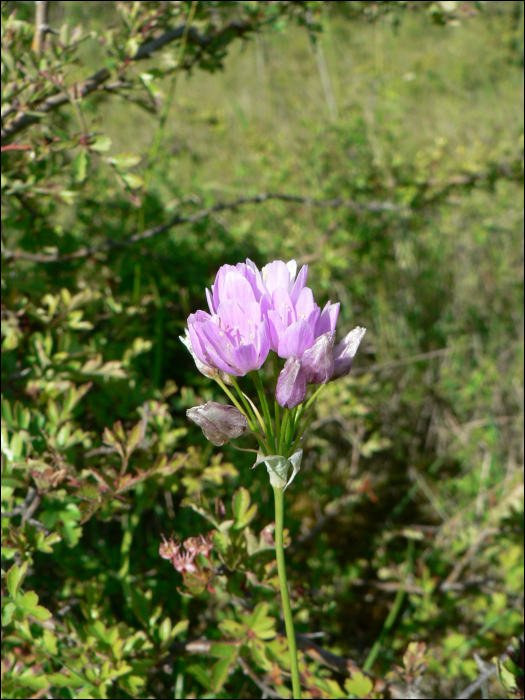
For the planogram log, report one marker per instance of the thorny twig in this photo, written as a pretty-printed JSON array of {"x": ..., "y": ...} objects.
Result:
[{"x": 27, "y": 509}]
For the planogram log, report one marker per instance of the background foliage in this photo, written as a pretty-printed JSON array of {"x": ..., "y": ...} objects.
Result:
[{"x": 390, "y": 135}]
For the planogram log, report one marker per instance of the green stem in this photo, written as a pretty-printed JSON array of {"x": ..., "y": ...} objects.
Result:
[
  {"x": 285, "y": 597},
  {"x": 236, "y": 403},
  {"x": 276, "y": 403},
  {"x": 284, "y": 427},
  {"x": 305, "y": 425},
  {"x": 243, "y": 398},
  {"x": 264, "y": 406}
]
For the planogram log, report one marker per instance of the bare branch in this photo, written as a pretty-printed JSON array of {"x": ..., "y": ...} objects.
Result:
[
  {"x": 268, "y": 692},
  {"x": 24, "y": 120},
  {"x": 482, "y": 678},
  {"x": 40, "y": 26},
  {"x": 198, "y": 216},
  {"x": 239, "y": 27}
]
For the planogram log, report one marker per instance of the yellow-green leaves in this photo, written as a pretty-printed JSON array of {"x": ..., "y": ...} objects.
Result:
[
  {"x": 21, "y": 605},
  {"x": 242, "y": 512}
]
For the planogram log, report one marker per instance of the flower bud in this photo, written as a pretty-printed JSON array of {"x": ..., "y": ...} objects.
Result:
[
  {"x": 220, "y": 423},
  {"x": 318, "y": 361},
  {"x": 345, "y": 351},
  {"x": 291, "y": 384}
]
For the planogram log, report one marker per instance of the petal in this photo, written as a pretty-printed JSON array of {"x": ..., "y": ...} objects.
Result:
[
  {"x": 203, "y": 368},
  {"x": 344, "y": 352},
  {"x": 327, "y": 319},
  {"x": 218, "y": 285},
  {"x": 245, "y": 358},
  {"x": 230, "y": 318},
  {"x": 237, "y": 288},
  {"x": 305, "y": 303},
  {"x": 198, "y": 342},
  {"x": 275, "y": 328},
  {"x": 292, "y": 269},
  {"x": 219, "y": 347},
  {"x": 253, "y": 276},
  {"x": 291, "y": 384},
  {"x": 198, "y": 317},
  {"x": 299, "y": 283},
  {"x": 275, "y": 275},
  {"x": 296, "y": 339},
  {"x": 252, "y": 319},
  {"x": 284, "y": 307},
  {"x": 266, "y": 304},
  {"x": 209, "y": 297},
  {"x": 318, "y": 361},
  {"x": 262, "y": 342}
]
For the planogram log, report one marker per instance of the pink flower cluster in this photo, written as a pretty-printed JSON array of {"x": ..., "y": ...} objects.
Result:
[
  {"x": 183, "y": 561},
  {"x": 254, "y": 311}
]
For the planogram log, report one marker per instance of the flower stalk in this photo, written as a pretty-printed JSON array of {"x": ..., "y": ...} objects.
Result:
[
  {"x": 285, "y": 596},
  {"x": 253, "y": 312}
]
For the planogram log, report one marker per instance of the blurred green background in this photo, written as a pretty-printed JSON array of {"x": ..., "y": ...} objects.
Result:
[{"x": 407, "y": 517}]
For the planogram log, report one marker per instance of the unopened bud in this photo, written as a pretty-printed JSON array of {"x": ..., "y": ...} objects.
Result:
[
  {"x": 220, "y": 423},
  {"x": 345, "y": 351}
]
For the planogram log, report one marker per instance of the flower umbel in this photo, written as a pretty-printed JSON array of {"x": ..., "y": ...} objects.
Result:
[{"x": 251, "y": 312}]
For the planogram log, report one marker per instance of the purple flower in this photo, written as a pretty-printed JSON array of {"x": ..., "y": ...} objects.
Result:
[
  {"x": 234, "y": 338},
  {"x": 220, "y": 423}
]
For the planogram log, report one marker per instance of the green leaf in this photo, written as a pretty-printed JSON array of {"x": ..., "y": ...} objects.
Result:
[
  {"x": 125, "y": 160},
  {"x": 50, "y": 642},
  {"x": 232, "y": 628},
  {"x": 14, "y": 578},
  {"x": 260, "y": 623},
  {"x": 201, "y": 675},
  {"x": 101, "y": 144},
  {"x": 221, "y": 541},
  {"x": 187, "y": 502},
  {"x": 359, "y": 685},
  {"x": 240, "y": 504},
  {"x": 165, "y": 629},
  {"x": 7, "y": 413},
  {"x": 135, "y": 437},
  {"x": 79, "y": 166},
  {"x": 180, "y": 627},
  {"x": 29, "y": 604},
  {"x": 132, "y": 180},
  {"x": 63, "y": 681},
  {"x": 7, "y": 613},
  {"x": 29, "y": 680},
  {"x": 221, "y": 670}
]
